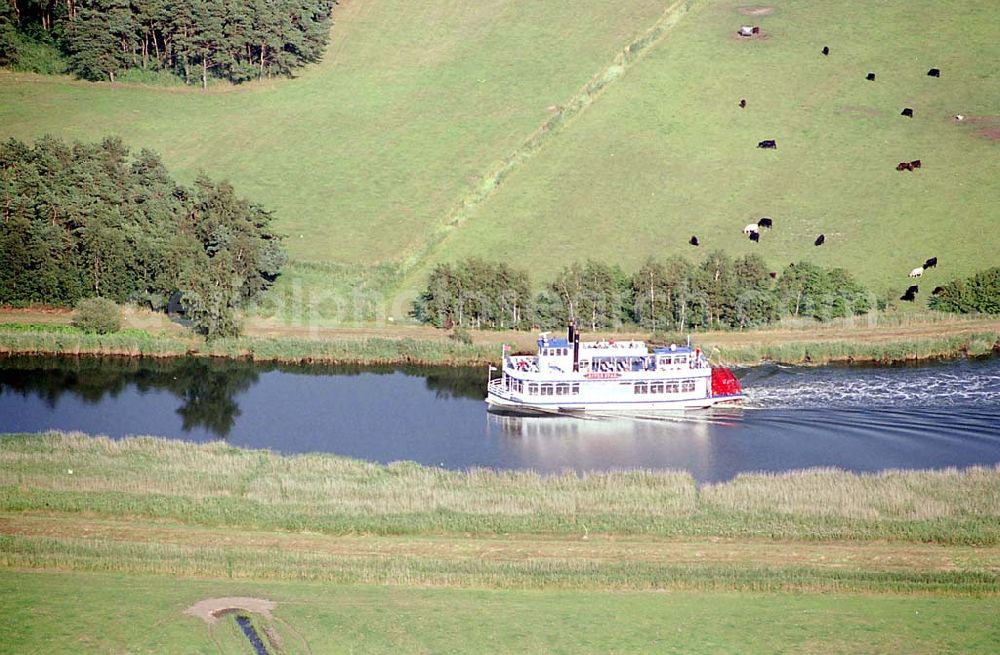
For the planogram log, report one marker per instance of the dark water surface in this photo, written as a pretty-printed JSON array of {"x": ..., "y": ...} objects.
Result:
[{"x": 856, "y": 418}]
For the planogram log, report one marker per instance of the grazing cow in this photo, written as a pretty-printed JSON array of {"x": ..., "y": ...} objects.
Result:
[
  {"x": 693, "y": 241},
  {"x": 768, "y": 144},
  {"x": 743, "y": 103},
  {"x": 870, "y": 77},
  {"x": 751, "y": 228},
  {"x": 754, "y": 236},
  {"x": 917, "y": 272},
  {"x": 746, "y": 30},
  {"x": 756, "y": 30},
  {"x": 937, "y": 290},
  {"x": 908, "y": 112},
  {"x": 930, "y": 263},
  {"x": 934, "y": 72},
  {"x": 826, "y": 50},
  {"x": 910, "y": 294},
  {"x": 904, "y": 166},
  {"x": 820, "y": 240},
  {"x": 915, "y": 164},
  {"x": 773, "y": 274},
  {"x": 765, "y": 222}
]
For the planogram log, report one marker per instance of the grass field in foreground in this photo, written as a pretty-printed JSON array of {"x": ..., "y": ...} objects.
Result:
[
  {"x": 49, "y": 612},
  {"x": 104, "y": 544}
]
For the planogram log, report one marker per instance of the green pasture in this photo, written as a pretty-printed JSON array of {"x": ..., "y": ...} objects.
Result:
[
  {"x": 666, "y": 152},
  {"x": 544, "y": 133},
  {"x": 50, "y": 612},
  {"x": 364, "y": 153}
]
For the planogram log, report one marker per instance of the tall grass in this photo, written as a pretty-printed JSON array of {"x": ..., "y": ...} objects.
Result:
[
  {"x": 884, "y": 352},
  {"x": 218, "y": 485}
]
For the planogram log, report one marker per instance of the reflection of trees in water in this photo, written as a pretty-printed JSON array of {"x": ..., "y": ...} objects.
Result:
[
  {"x": 206, "y": 388},
  {"x": 445, "y": 381}
]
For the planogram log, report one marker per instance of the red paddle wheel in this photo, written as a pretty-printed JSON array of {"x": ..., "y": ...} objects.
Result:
[{"x": 724, "y": 383}]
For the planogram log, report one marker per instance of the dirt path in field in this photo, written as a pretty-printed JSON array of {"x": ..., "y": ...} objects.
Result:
[{"x": 878, "y": 556}]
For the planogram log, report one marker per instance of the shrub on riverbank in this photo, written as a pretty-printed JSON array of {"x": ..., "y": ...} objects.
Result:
[{"x": 98, "y": 315}]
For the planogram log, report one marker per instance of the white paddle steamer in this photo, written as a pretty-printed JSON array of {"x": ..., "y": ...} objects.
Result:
[{"x": 570, "y": 376}]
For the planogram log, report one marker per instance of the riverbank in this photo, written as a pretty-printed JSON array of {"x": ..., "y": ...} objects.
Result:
[
  {"x": 882, "y": 340},
  {"x": 99, "y": 534}
]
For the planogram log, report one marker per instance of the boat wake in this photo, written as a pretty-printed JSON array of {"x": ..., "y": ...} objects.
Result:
[{"x": 973, "y": 384}]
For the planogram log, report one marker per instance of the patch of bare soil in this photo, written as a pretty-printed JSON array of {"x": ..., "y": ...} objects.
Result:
[
  {"x": 991, "y": 133},
  {"x": 755, "y": 11},
  {"x": 759, "y": 36},
  {"x": 211, "y": 609}
]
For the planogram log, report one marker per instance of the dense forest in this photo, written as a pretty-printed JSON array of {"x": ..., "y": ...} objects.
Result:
[
  {"x": 236, "y": 40},
  {"x": 81, "y": 220},
  {"x": 675, "y": 294}
]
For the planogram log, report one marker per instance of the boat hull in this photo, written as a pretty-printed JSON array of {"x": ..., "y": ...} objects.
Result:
[{"x": 499, "y": 405}]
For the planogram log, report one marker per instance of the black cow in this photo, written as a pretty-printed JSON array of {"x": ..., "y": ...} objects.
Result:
[
  {"x": 768, "y": 144},
  {"x": 915, "y": 164},
  {"x": 754, "y": 236},
  {"x": 765, "y": 222},
  {"x": 826, "y": 50},
  {"x": 910, "y": 293},
  {"x": 870, "y": 77},
  {"x": 743, "y": 103},
  {"x": 934, "y": 72},
  {"x": 906, "y": 112},
  {"x": 937, "y": 290},
  {"x": 820, "y": 240},
  {"x": 930, "y": 263},
  {"x": 693, "y": 241},
  {"x": 904, "y": 166},
  {"x": 773, "y": 274}
]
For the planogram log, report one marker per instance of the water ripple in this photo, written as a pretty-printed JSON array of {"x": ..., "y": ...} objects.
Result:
[{"x": 967, "y": 384}]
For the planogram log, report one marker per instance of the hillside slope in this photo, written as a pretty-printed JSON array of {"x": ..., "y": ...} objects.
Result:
[
  {"x": 364, "y": 153},
  {"x": 666, "y": 152}
]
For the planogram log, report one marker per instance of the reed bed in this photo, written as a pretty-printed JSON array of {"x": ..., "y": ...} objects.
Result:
[
  {"x": 215, "y": 484},
  {"x": 66, "y": 340},
  {"x": 354, "y": 351},
  {"x": 89, "y": 555},
  {"x": 824, "y": 352}
]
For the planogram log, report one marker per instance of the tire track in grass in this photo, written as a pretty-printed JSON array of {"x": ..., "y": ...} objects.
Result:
[{"x": 591, "y": 91}]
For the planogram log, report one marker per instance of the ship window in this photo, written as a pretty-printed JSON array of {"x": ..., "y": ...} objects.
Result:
[
  {"x": 575, "y": 389},
  {"x": 681, "y": 360},
  {"x": 640, "y": 387},
  {"x": 584, "y": 365},
  {"x": 532, "y": 389},
  {"x": 670, "y": 387},
  {"x": 562, "y": 389},
  {"x": 664, "y": 361},
  {"x": 687, "y": 385},
  {"x": 546, "y": 389},
  {"x": 656, "y": 387}
]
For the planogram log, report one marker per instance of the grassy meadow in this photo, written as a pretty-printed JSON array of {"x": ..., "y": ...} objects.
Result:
[
  {"x": 48, "y": 612},
  {"x": 554, "y": 132},
  {"x": 666, "y": 153},
  {"x": 104, "y": 543}
]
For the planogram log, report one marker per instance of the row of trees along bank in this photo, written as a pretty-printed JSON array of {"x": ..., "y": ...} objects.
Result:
[
  {"x": 236, "y": 40},
  {"x": 674, "y": 294},
  {"x": 86, "y": 220}
]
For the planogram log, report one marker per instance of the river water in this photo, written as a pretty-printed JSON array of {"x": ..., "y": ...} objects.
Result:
[{"x": 857, "y": 418}]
